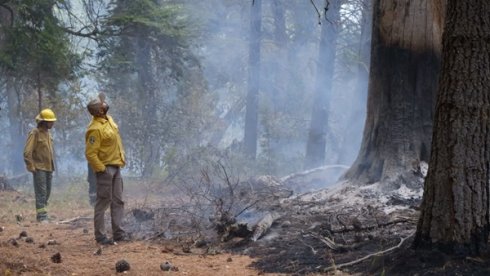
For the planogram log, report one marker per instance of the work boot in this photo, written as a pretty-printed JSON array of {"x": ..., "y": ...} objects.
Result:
[
  {"x": 105, "y": 241},
  {"x": 42, "y": 217},
  {"x": 122, "y": 238}
]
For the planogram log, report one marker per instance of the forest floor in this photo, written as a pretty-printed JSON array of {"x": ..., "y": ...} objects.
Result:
[
  {"x": 315, "y": 238},
  {"x": 74, "y": 241}
]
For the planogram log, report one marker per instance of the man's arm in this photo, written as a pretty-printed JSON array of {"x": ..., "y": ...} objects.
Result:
[
  {"x": 92, "y": 146},
  {"x": 28, "y": 149}
]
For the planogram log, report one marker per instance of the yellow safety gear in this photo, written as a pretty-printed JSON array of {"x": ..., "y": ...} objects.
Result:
[
  {"x": 46, "y": 115},
  {"x": 38, "y": 151},
  {"x": 103, "y": 145}
]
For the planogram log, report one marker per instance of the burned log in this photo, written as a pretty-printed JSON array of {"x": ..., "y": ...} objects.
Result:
[
  {"x": 252, "y": 231},
  {"x": 246, "y": 209},
  {"x": 261, "y": 228}
]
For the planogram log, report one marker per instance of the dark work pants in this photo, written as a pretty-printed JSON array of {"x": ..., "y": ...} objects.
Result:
[
  {"x": 42, "y": 191},
  {"x": 109, "y": 194},
  {"x": 92, "y": 180}
]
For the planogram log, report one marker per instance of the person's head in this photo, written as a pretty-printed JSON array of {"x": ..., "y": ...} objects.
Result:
[
  {"x": 98, "y": 107},
  {"x": 46, "y": 118}
]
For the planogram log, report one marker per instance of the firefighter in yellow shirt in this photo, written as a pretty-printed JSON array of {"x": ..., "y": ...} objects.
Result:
[
  {"x": 39, "y": 160},
  {"x": 105, "y": 155}
]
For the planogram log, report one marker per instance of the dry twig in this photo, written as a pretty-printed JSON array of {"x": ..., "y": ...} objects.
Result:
[
  {"x": 76, "y": 219},
  {"x": 380, "y": 253}
]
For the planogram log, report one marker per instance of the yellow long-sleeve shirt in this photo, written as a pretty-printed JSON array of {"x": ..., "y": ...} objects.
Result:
[
  {"x": 103, "y": 145},
  {"x": 38, "y": 151}
]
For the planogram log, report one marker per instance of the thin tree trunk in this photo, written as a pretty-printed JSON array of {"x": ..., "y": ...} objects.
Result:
[
  {"x": 455, "y": 213},
  {"x": 280, "y": 40},
  {"x": 405, "y": 61},
  {"x": 39, "y": 93},
  {"x": 353, "y": 135},
  {"x": 316, "y": 145},
  {"x": 148, "y": 103},
  {"x": 251, "y": 116},
  {"x": 15, "y": 129}
]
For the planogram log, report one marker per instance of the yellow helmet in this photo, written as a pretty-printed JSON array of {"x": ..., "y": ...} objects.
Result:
[{"x": 46, "y": 115}]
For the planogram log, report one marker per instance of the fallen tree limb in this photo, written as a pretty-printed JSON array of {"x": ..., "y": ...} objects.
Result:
[
  {"x": 380, "y": 253},
  {"x": 330, "y": 243},
  {"x": 335, "y": 246},
  {"x": 380, "y": 225},
  {"x": 76, "y": 219}
]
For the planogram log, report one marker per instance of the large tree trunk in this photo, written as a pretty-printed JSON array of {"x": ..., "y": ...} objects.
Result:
[
  {"x": 455, "y": 209},
  {"x": 317, "y": 136},
  {"x": 405, "y": 61},
  {"x": 252, "y": 106}
]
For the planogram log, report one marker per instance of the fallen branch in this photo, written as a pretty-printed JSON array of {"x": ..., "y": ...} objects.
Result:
[
  {"x": 76, "y": 219},
  {"x": 380, "y": 253},
  {"x": 157, "y": 235},
  {"x": 372, "y": 227},
  {"x": 330, "y": 243},
  {"x": 335, "y": 246},
  {"x": 311, "y": 247}
]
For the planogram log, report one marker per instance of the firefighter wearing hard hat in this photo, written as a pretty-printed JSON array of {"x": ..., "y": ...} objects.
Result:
[
  {"x": 105, "y": 155},
  {"x": 39, "y": 160}
]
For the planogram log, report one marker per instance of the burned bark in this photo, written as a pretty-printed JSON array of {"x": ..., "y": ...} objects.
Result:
[
  {"x": 405, "y": 57},
  {"x": 455, "y": 212}
]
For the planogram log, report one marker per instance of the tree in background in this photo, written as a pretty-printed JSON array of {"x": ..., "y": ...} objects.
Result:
[
  {"x": 362, "y": 58},
  {"x": 152, "y": 75},
  {"x": 178, "y": 82},
  {"x": 253, "y": 83},
  {"x": 317, "y": 140},
  {"x": 405, "y": 59},
  {"x": 455, "y": 212},
  {"x": 35, "y": 57}
]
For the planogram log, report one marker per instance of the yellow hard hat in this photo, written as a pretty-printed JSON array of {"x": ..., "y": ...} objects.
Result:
[{"x": 46, "y": 115}]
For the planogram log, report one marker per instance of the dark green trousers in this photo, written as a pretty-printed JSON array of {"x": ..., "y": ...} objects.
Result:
[
  {"x": 92, "y": 183},
  {"x": 42, "y": 191},
  {"x": 109, "y": 194}
]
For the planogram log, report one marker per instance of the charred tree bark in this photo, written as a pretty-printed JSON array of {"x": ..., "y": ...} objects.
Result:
[
  {"x": 455, "y": 212},
  {"x": 317, "y": 136},
  {"x": 405, "y": 61},
  {"x": 252, "y": 105}
]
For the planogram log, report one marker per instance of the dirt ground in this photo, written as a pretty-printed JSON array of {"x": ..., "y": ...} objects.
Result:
[
  {"x": 311, "y": 238},
  {"x": 75, "y": 243}
]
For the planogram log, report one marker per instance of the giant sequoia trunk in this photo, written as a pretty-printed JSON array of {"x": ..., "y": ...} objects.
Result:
[
  {"x": 317, "y": 135},
  {"x": 455, "y": 210},
  {"x": 405, "y": 59}
]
